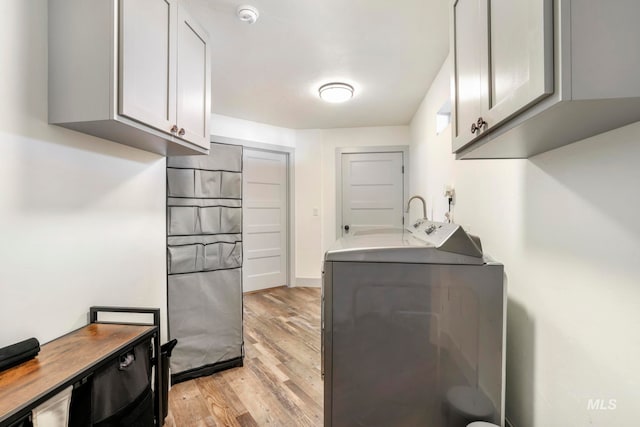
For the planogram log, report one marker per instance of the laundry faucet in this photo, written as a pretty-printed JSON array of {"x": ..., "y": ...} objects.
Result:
[{"x": 424, "y": 209}]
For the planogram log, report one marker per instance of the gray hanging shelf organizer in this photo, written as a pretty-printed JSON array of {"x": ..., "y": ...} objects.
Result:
[{"x": 204, "y": 261}]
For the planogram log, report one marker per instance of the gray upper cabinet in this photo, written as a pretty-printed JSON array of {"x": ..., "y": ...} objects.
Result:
[
  {"x": 125, "y": 70},
  {"x": 193, "y": 87},
  {"x": 467, "y": 77},
  {"x": 533, "y": 75},
  {"x": 147, "y": 72},
  {"x": 519, "y": 69},
  {"x": 496, "y": 76}
]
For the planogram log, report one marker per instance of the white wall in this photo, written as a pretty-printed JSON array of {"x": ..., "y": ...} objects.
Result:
[
  {"x": 432, "y": 163},
  {"x": 231, "y": 127},
  {"x": 307, "y": 198},
  {"x": 565, "y": 224},
  {"x": 82, "y": 220}
]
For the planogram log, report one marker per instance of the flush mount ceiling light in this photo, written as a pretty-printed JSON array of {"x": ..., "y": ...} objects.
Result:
[
  {"x": 248, "y": 14},
  {"x": 336, "y": 92}
]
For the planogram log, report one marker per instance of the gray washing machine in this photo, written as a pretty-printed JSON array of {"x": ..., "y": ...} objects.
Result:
[{"x": 413, "y": 329}]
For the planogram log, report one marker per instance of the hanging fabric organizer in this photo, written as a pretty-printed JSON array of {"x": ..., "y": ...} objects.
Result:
[{"x": 204, "y": 261}]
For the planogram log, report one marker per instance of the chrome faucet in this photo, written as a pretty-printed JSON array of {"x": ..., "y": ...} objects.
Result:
[{"x": 424, "y": 206}]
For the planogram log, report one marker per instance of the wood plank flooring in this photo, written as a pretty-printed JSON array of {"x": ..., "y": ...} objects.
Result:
[{"x": 279, "y": 384}]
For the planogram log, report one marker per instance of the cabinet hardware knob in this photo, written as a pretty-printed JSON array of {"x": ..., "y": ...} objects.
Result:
[
  {"x": 174, "y": 129},
  {"x": 478, "y": 125},
  {"x": 181, "y": 132}
]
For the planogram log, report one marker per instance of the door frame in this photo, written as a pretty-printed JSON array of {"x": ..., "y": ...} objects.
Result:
[
  {"x": 290, "y": 153},
  {"x": 404, "y": 149}
]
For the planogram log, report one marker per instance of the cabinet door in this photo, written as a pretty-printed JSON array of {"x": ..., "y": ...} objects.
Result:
[
  {"x": 468, "y": 36},
  {"x": 147, "y": 66},
  {"x": 519, "y": 70},
  {"x": 194, "y": 81}
]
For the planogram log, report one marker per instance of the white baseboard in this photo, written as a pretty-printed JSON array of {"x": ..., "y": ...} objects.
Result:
[{"x": 308, "y": 282}]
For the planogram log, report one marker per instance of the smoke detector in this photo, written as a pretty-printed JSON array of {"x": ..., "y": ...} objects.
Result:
[{"x": 248, "y": 14}]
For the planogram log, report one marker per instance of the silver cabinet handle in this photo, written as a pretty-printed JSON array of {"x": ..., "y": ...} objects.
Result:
[
  {"x": 181, "y": 132},
  {"x": 174, "y": 129},
  {"x": 478, "y": 125}
]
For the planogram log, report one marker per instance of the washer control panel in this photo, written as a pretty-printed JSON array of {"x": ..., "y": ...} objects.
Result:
[{"x": 446, "y": 236}]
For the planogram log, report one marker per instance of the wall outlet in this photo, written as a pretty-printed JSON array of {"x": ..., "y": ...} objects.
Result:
[{"x": 449, "y": 191}]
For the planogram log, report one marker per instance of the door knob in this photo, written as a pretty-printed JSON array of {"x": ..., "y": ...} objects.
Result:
[
  {"x": 181, "y": 132},
  {"x": 174, "y": 129},
  {"x": 346, "y": 228}
]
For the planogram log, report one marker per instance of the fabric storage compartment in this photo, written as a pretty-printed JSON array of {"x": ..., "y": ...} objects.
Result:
[
  {"x": 207, "y": 184},
  {"x": 231, "y": 186},
  {"x": 54, "y": 412},
  {"x": 206, "y": 316},
  {"x": 80, "y": 409},
  {"x": 180, "y": 183},
  {"x": 182, "y": 220},
  {"x": 138, "y": 413},
  {"x": 121, "y": 391},
  {"x": 209, "y": 219},
  {"x": 222, "y": 255},
  {"x": 231, "y": 220},
  {"x": 212, "y": 254},
  {"x": 231, "y": 255},
  {"x": 184, "y": 259}
]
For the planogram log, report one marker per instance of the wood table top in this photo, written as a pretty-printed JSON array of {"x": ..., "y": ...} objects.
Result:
[{"x": 62, "y": 359}]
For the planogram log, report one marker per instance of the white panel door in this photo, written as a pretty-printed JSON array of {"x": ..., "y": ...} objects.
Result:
[
  {"x": 372, "y": 191},
  {"x": 193, "y": 88},
  {"x": 147, "y": 66},
  {"x": 264, "y": 219}
]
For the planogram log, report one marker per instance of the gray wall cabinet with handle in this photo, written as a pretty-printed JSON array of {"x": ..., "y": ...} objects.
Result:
[
  {"x": 533, "y": 75},
  {"x": 137, "y": 72}
]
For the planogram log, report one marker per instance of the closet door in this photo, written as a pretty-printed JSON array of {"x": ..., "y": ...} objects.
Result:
[
  {"x": 265, "y": 202},
  {"x": 147, "y": 63},
  {"x": 194, "y": 81}
]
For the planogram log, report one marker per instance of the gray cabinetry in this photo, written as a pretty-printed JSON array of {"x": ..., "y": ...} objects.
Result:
[
  {"x": 193, "y": 82},
  {"x": 467, "y": 76},
  {"x": 535, "y": 75},
  {"x": 135, "y": 72},
  {"x": 147, "y": 72},
  {"x": 502, "y": 62}
]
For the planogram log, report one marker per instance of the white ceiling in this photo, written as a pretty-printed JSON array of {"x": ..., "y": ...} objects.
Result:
[{"x": 269, "y": 72}]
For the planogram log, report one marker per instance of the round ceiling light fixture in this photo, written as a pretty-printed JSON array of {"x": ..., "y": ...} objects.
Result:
[
  {"x": 248, "y": 14},
  {"x": 336, "y": 92}
]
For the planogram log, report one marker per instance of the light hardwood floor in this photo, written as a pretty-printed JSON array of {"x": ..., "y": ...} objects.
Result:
[{"x": 279, "y": 384}]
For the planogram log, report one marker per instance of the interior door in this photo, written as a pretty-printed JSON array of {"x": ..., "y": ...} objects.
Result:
[
  {"x": 264, "y": 219},
  {"x": 193, "y": 87},
  {"x": 372, "y": 191},
  {"x": 147, "y": 67}
]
